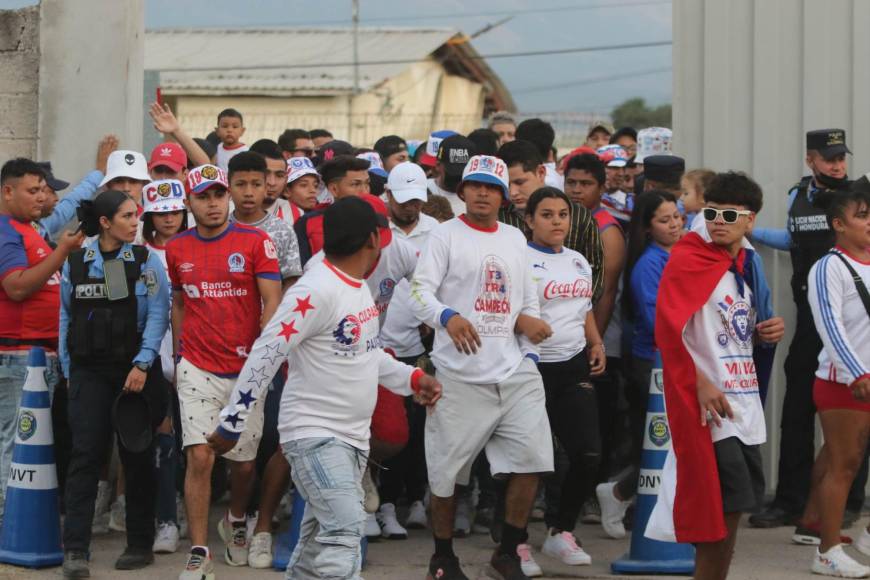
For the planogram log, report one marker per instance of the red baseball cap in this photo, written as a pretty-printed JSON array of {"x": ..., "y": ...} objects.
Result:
[
  {"x": 380, "y": 209},
  {"x": 170, "y": 155}
]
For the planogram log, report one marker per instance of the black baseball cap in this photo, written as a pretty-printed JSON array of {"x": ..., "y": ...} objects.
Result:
[
  {"x": 663, "y": 167},
  {"x": 349, "y": 222},
  {"x": 390, "y": 145},
  {"x": 828, "y": 142},
  {"x": 131, "y": 414},
  {"x": 50, "y": 180},
  {"x": 331, "y": 150},
  {"x": 454, "y": 153}
]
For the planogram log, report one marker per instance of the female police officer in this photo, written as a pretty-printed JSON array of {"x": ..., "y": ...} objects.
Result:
[{"x": 114, "y": 313}]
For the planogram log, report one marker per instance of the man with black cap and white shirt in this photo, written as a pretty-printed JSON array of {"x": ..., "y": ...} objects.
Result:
[
  {"x": 327, "y": 328},
  {"x": 453, "y": 153},
  {"x": 393, "y": 150},
  {"x": 807, "y": 237}
]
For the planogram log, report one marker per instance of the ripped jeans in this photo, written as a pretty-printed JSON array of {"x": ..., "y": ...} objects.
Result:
[
  {"x": 573, "y": 411},
  {"x": 328, "y": 473}
]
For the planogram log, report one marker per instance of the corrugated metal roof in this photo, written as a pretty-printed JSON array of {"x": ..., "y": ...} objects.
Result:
[{"x": 282, "y": 61}]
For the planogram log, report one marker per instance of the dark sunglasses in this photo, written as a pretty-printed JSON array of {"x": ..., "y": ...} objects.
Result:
[
  {"x": 729, "y": 216},
  {"x": 307, "y": 152}
]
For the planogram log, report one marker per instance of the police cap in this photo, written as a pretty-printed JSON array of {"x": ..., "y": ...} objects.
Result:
[
  {"x": 828, "y": 142},
  {"x": 664, "y": 168}
]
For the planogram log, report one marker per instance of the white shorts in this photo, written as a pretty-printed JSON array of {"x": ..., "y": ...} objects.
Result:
[
  {"x": 201, "y": 396},
  {"x": 508, "y": 419}
]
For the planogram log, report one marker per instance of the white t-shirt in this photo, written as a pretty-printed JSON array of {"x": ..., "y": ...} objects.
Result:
[
  {"x": 719, "y": 338},
  {"x": 400, "y": 331},
  {"x": 553, "y": 178},
  {"x": 482, "y": 275},
  {"x": 327, "y": 328},
  {"x": 840, "y": 318},
  {"x": 456, "y": 202},
  {"x": 222, "y": 159},
  {"x": 564, "y": 283},
  {"x": 397, "y": 262}
]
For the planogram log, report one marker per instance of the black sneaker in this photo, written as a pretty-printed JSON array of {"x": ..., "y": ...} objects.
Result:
[
  {"x": 505, "y": 567},
  {"x": 445, "y": 568},
  {"x": 134, "y": 559},
  {"x": 75, "y": 565},
  {"x": 773, "y": 517}
]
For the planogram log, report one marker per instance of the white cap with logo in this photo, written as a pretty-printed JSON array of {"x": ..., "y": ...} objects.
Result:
[
  {"x": 163, "y": 196},
  {"x": 653, "y": 141},
  {"x": 129, "y": 164},
  {"x": 407, "y": 181}
]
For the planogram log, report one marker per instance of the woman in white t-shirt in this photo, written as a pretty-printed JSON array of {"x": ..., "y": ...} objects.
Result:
[
  {"x": 164, "y": 216},
  {"x": 842, "y": 387},
  {"x": 568, "y": 358}
]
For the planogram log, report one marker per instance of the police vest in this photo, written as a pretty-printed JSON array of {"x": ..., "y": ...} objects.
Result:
[
  {"x": 810, "y": 235},
  {"x": 102, "y": 330}
]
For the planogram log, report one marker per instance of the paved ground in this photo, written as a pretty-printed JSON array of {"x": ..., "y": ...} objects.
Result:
[{"x": 761, "y": 555}]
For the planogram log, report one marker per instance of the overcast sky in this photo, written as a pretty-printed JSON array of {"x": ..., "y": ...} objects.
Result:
[{"x": 585, "y": 81}]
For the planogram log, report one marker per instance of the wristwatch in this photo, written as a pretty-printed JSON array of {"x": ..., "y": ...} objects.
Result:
[{"x": 142, "y": 366}]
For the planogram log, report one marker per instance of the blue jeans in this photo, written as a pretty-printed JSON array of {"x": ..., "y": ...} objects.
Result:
[
  {"x": 327, "y": 472},
  {"x": 13, "y": 371}
]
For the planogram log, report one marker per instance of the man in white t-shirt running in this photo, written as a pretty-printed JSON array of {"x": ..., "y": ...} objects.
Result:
[{"x": 471, "y": 285}]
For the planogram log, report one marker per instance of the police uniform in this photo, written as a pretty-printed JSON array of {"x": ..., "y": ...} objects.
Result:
[
  {"x": 100, "y": 341},
  {"x": 807, "y": 237}
]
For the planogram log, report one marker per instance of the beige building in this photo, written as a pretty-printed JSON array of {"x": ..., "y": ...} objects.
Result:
[{"x": 410, "y": 81}]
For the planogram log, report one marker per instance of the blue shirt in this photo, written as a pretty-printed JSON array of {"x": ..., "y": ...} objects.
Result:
[
  {"x": 152, "y": 295},
  {"x": 780, "y": 238},
  {"x": 65, "y": 210},
  {"x": 645, "y": 278}
]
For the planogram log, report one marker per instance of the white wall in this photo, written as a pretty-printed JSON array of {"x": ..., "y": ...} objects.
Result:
[
  {"x": 750, "y": 78},
  {"x": 90, "y": 79}
]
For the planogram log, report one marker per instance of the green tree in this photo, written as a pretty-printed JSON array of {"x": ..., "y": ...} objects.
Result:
[{"x": 635, "y": 113}]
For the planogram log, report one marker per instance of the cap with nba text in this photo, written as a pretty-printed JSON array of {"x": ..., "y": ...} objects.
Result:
[
  {"x": 163, "y": 196},
  {"x": 170, "y": 155},
  {"x": 487, "y": 169},
  {"x": 430, "y": 156},
  {"x": 204, "y": 177},
  {"x": 454, "y": 153},
  {"x": 613, "y": 155},
  {"x": 407, "y": 181},
  {"x": 653, "y": 141},
  {"x": 828, "y": 142},
  {"x": 129, "y": 164},
  {"x": 299, "y": 166}
]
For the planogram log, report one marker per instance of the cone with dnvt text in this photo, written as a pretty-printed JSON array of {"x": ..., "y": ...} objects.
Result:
[
  {"x": 648, "y": 556},
  {"x": 31, "y": 525}
]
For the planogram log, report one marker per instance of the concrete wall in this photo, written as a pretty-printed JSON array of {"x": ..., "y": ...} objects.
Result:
[
  {"x": 90, "y": 79},
  {"x": 19, "y": 71},
  {"x": 750, "y": 78}
]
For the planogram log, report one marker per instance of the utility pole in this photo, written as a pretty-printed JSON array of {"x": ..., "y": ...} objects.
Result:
[{"x": 355, "y": 20}]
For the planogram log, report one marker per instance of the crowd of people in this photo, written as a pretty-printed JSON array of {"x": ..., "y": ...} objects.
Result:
[{"x": 458, "y": 333}]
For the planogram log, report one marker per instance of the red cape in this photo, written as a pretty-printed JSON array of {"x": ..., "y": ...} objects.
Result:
[{"x": 689, "y": 278}]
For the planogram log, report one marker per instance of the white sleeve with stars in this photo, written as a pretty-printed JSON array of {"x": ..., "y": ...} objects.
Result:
[{"x": 297, "y": 318}]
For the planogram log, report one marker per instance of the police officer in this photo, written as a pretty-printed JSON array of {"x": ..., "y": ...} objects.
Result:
[
  {"x": 807, "y": 237},
  {"x": 114, "y": 313}
]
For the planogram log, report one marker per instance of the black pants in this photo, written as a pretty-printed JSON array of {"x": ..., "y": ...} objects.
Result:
[
  {"x": 607, "y": 391},
  {"x": 573, "y": 412},
  {"x": 637, "y": 393},
  {"x": 798, "y": 428},
  {"x": 407, "y": 469},
  {"x": 92, "y": 391}
]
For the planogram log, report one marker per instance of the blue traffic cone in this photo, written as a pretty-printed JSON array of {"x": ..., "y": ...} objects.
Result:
[
  {"x": 287, "y": 541},
  {"x": 31, "y": 525},
  {"x": 648, "y": 556}
]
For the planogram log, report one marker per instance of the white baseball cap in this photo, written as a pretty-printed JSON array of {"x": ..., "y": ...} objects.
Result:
[
  {"x": 487, "y": 169},
  {"x": 407, "y": 181},
  {"x": 130, "y": 164},
  {"x": 163, "y": 196},
  {"x": 299, "y": 166},
  {"x": 653, "y": 141}
]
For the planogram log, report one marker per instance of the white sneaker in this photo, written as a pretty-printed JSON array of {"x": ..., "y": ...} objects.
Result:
[
  {"x": 416, "y": 516},
  {"x": 181, "y": 516},
  {"x": 612, "y": 510},
  {"x": 372, "y": 529},
  {"x": 862, "y": 544},
  {"x": 235, "y": 537},
  {"x": 199, "y": 566},
  {"x": 118, "y": 517},
  {"x": 836, "y": 562},
  {"x": 372, "y": 499},
  {"x": 390, "y": 526},
  {"x": 260, "y": 552},
  {"x": 563, "y": 546},
  {"x": 251, "y": 525},
  {"x": 166, "y": 539},
  {"x": 527, "y": 563},
  {"x": 462, "y": 522}
]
